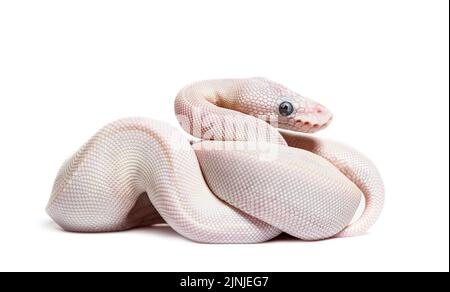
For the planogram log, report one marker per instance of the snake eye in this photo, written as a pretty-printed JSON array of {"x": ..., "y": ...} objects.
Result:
[{"x": 286, "y": 108}]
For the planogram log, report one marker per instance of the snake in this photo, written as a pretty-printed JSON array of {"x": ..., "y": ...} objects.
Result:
[{"x": 246, "y": 168}]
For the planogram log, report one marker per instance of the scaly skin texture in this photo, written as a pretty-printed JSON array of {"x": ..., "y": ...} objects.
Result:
[{"x": 243, "y": 182}]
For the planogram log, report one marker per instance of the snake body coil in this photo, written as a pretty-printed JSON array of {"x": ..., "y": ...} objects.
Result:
[{"x": 242, "y": 182}]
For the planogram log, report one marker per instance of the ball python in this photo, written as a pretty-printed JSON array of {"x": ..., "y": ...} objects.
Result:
[{"x": 250, "y": 171}]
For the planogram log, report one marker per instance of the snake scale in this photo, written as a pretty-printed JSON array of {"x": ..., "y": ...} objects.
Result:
[{"x": 252, "y": 173}]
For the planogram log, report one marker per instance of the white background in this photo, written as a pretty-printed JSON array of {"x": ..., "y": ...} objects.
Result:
[{"x": 69, "y": 67}]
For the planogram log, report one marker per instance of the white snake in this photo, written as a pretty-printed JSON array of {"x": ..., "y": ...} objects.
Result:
[{"x": 243, "y": 182}]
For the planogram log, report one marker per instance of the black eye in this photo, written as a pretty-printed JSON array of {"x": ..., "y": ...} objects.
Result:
[{"x": 286, "y": 108}]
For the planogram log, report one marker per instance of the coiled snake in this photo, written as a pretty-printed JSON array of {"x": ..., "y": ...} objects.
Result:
[{"x": 243, "y": 182}]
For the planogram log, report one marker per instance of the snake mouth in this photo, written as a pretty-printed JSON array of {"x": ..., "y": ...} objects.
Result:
[
  {"x": 304, "y": 126},
  {"x": 317, "y": 127},
  {"x": 315, "y": 118}
]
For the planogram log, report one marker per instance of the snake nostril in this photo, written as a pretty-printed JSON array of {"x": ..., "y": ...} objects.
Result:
[{"x": 321, "y": 110}]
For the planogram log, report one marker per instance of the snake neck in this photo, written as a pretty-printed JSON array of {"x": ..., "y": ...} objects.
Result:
[
  {"x": 211, "y": 110},
  {"x": 221, "y": 93}
]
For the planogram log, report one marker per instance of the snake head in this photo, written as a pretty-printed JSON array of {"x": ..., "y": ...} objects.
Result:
[{"x": 276, "y": 104}]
